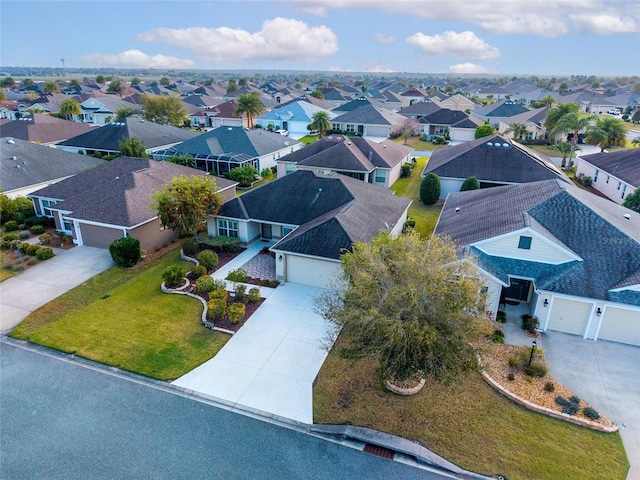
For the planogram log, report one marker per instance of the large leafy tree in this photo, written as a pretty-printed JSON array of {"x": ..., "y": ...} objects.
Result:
[
  {"x": 317, "y": 94},
  {"x": 165, "y": 82},
  {"x": 430, "y": 189},
  {"x": 185, "y": 203},
  {"x": 484, "y": 131},
  {"x": 518, "y": 129},
  {"x": 69, "y": 107},
  {"x": 249, "y": 104},
  {"x": 3, "y": 96},
  {"x": 164, "y": 109},
  {"x": 50, "y": 87},
  {"x": 556, "y": 113},
  {"x": 232, "y": 86},
  {"x": 116, "y": 86},
  {"x": 572, "y": 124},
  {"x": 633, "y": 201},
  {"x": 607, "y": 132},
  {"x": 245, "y": 176},
  {"x": 101, "y": 79},
  {"x": 132, "y": 147},
  {"x": 321, "y": 121},
  {"x": 7, "y": 82},
  {"x": 410, "y": 303}
]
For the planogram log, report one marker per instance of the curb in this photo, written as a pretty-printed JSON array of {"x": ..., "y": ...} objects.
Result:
[{"x": 547, "y": 411}]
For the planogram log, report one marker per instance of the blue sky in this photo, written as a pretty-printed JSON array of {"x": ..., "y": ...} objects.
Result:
[{"x": 537, "y": 37}]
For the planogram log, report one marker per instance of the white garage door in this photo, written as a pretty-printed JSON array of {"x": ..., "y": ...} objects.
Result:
[
  {"x": 620, "y": 325},
  {"x": 310, "y": 271},
  {"x": 569, "y": 316}
]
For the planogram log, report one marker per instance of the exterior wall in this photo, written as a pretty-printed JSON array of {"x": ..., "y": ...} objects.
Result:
[
  {"x": 620, "y": 325},
  {"x": 377, "y": 131},
  {"x": 462, "y": 134},
  {"x": 612, "y": 187},
  {"x": 449, "y": 185},
  {"x": 151, "y": 235},
  {"x": 227, "y": 122},
  {"x": 540, "y": 251},
  {"x": 394, "y": 174},
  {"x": 569, "y": 315},
  {"x": 99, "y": 236},
  {"x": 494, "y": 289},
  {"x": 309, "y": 271},
  {"x": 397, "y": 228},
  {"x": 24, "y": 191}
]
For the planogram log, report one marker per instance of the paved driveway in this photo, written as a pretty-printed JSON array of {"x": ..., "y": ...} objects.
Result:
[
  {"x": 270, "y": 364},
  {"x": 22, "y": 294}
]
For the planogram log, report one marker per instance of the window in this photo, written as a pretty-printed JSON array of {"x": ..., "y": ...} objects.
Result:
[
  {"x": 351, "y": 128},
  {"x": 335, "y": 126},
  {"x": 624, "y": 190},
  {"x": 524, "y": 243},
  {"x": 227, "y": 228},
  {"x": 595, "y": 178},
  {"x": 381, "y": 176},
  {"x": 619, "y": 185},
  {"x": 289, "y": 168},
  {"x": 66, "y": 224},
  {"x": 608, "y": 177},
  {"x": 45, "y": 206},
  {"x": 286, "y": 230}
]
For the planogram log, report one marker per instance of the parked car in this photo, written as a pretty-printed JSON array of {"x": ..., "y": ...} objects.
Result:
[
  {"x": 284, "y": 133},
  {"x": 614, "y": 111}
]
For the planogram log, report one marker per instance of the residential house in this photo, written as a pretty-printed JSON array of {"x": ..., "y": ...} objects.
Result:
[
  {"x": 498, "y": 112},
  {"x": 533, "y": 119},
  {"x": 570, "y": 257},
  {"x": 294, "y": 117},
  {"x": 369, "y": 121},
  {"x": 456, "y": 102},
  {"x": 112, "y": 201},
  {"x": 440, "y": 122},
  {"x": 615, "y": 174},
  {"x": 225, "y": 148},
  {"x": 42, "y": 128},
  {"x": 356, "y": 157},
  {"x": 221, "y": 115},
  {"x": 414, "y": 95},
  {"x": 493, "y": 160},
  {"x": 417, "y": 110},
  {"x": 102, "y": 111},
  {"x": 313, "y": 219},
  {"x": 106, "y": 139},
  {"x": 26, "y": 167}
]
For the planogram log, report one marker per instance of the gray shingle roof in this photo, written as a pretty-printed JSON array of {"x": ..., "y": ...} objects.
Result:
[
  {"x": 43, "y": 128},
  {"x": 371, "y": 115},
  {"x": 36, "y": 164},
  {"x": 332, "y": 211},
  {"x": 624, "y": 164},
  {"x": 593, "y": 228},
  {"x": 505, "y": 108},
  {"x": 492, "y": 163}
]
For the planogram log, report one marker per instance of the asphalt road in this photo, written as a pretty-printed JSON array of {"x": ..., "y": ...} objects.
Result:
[{"x": 61, "y": 419}]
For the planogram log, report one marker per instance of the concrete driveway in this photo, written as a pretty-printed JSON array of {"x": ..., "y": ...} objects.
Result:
[
  {"x": 271, "y": 363},
  {"x": 605, "y": 374},
  {"x": 22, "y": 294}
]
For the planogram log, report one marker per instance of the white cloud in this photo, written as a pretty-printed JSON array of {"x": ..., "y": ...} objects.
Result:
[
  {"x": 470, "y": 68},
  {"x": 135, "y": 59},
  {"x": 373, "y": 66},
  {"x": 551, "y": 18},
  {"x": 464, "y": 45},
  {"x": 279, "y": 39},
  {"x": 382, "y": 38}
]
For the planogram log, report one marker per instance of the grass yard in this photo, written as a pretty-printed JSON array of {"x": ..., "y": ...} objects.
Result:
[
  {"x": 417, "y": 144},
  {"x": 467, "y": 423},
  {"x": 309, "y": 139},
  {"x": 122, "y": 318},
  {"x": 426, "y": 216}
]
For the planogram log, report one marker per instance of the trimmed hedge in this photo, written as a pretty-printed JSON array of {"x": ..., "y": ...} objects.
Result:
[
  {"x": 430, "y": 189},
  {"x": 125, "y": 252},
  {"x": 236, "y": 312}
]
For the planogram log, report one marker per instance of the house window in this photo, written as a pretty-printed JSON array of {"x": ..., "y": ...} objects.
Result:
[
  {"x": 524, "y": 243},
  {"x": 335, "y": 126},
  {"x": 619, "y": 185},
  {"x": 595, "y": 178},
  {"x": 227, "y": 228},
  {"x": 286, "y": 230},
  {"x": 45, "y": 207},
  {"x": 351, "y": 128},
  {"x": 608, "y": 177},
  {"x": 381, "y": 176},
  {"x": 624, "y": 190},
  {"x": 289, "y": 168},
  {"x": 66, "y": 224}
]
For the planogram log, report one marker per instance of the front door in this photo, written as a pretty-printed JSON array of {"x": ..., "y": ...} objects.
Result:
[
  {"x": 266, "y": 231},
  {"x": 518, "y": 289}
]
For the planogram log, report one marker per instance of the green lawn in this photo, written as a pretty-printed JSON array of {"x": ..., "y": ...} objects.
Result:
[
  {"x": 466, "y": 422},
  {"x": 308, "y": 139},
  {"x": 122, "y": 318},
  {"x": 417, "y": 144},
  {"x": 426, "y": 216}
]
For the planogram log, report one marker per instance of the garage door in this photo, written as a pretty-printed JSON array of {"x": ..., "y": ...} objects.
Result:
[
  {"x": 97, "y": 236},
  {"x": 620, "y": 325},
  {"x": 310, "y": 271},
  {"x": 569, "y": 316}
]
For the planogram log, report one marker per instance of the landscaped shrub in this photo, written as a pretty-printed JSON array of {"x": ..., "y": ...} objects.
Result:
[
  {"x": 19, "y": 217},
  {"x": 238, "y": 275},
  {"x": 173, "y": 275},
  {"x": 31, "y": 221},
  {"x": 266, "y": 173},
  {"x": 44, "y": 253},
  {"x": 45, "y": 238},
  {"x": 11, "y": 226},
  {"x": 254, "y": 294},
  {"x": 9, "y": 237},
  {"x": 5, "y": 245},
  {"x": 208, "y": 259},
  {"x": 501, "y": 316},
  {"x": 218, "y": 293},
  {"x": 32, "y": 261},
  {"x": 22, "y": 246},
  {"x": 409, "y": 224},
  {"x": 24, "y": 235},
  {"x": 269, "y": 283},
  {"x": 511, "y": 377},
  {"x": 406, "y": 170},
  {"x": 430, "y": 189},
  {"x": 439, "y": 140},
  {"x": 222, "y": 244},
  {"x": 190, "y": 247},
  {"x": 585, "y": 180},
  {"x": 32, "y": 249},
  {"x": 198, "y": 271},
  {"x": 497, "y": 336},
  {"x": 37, "y": 229},
  {"x": 471, "y": 183},
  {"x": 529, "y": 323},
  {"x": 549, "y": 387},
  {"x": 204, "y": 284},
  {"x": 125, "y": 252},
  {"x": 536, "y": 369},
  {"x": 236, "y": 312},
  {"x": 240, "y": 291},
  {"x": 590, "y": 413},
  {"x": 520, "y": 361},
  {"x": 217, "y": 308},
  {"x": 570, "y": 406}
]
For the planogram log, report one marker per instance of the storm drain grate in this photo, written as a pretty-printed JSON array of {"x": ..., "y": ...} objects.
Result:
[{"x": 379, "y": 451}]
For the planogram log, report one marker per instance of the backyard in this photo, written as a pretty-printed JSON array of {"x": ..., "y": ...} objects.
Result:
[{"x": 122, "y": 318}]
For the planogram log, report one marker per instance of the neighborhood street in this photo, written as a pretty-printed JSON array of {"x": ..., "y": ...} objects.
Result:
[{"x": 67, "y": 419}]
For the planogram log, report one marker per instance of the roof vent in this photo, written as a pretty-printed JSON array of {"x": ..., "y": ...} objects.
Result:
[
  {"x": 348, "y": 143},
  {"x": 11, "y": 141},
  {"x": 489, "y": 144},
  {"x": 457, "y": 209},
  {"x": 14, "y": 158},
  {"x": 505, "y": 145},
  {"x": 229, "y": 128},
  {"x": 626, "y": 215}
]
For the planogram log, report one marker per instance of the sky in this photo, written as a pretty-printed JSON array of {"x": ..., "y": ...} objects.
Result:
[{"x": 507, "y": 37}]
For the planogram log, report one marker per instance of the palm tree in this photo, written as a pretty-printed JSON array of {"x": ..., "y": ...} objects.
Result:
[
  {"x": 556, "y": 113},
  {"x": 636, "y": 142},
  {"x": 607, "y": 132},
  {"x": 518, "y": 129},
  {"x": 123, "y": 113},
  {"x": 249, "y": 104},
  {"x": 573, "y": 124},
  {"x": 69, "y": 107},
  {"x": 549, "y": 100},
  {"x": 50, "y": 87},
  {"x": 564, "y": 148},
  {"x": 321, "y": 121}
]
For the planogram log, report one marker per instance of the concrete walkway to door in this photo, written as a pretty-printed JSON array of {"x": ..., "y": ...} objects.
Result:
[{"x": 22, "y": 294}]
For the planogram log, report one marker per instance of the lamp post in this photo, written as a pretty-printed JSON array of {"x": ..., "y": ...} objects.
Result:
[{"x": 534, "y": 344}]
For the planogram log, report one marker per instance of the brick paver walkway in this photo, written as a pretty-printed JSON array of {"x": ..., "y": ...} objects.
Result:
[{"x": 261, "y": 266}]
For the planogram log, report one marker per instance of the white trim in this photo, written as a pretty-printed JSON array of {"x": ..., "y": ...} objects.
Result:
[
  {"x": 593, "y": 310},
  {"x": 630, "y": 287},
  {"x": 604, "y": 310},
  {"x": 491, "y": 276},
  {"x": 287, "y": 252}
]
